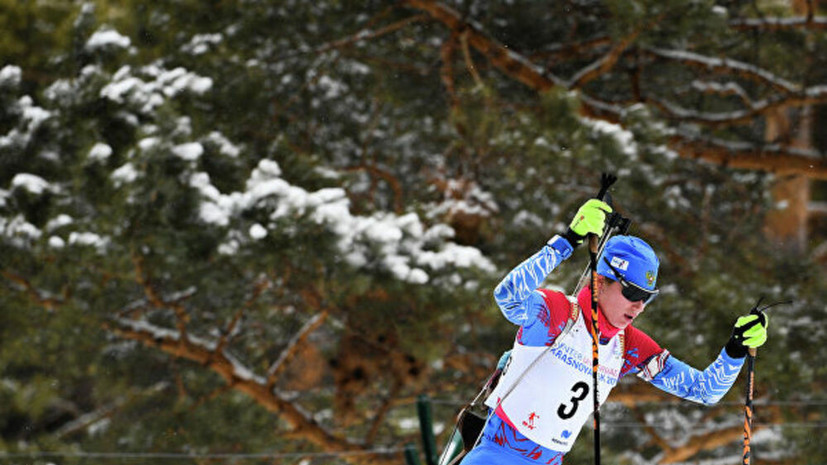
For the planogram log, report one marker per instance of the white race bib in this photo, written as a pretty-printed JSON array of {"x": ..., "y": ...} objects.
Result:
[{"x": 554, "y": 398}]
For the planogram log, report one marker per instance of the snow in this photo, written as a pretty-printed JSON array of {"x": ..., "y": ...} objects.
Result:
[
  {"x": 211, "y": 213},
  {"x": 191, "y": 151},
  {"x": 398, "y": 244},
  {"x": 32, "y": 114},
  {"x": 18, "y": 230},
  {"x": 180, "y": 80},
  {"x": 229, "y": 248},
  {"x": 128, "y": 86},
  {"x": 332, "y": 88},
  {"x": 201, "y": 43},
  {"x": 56, "y": 242},
  {"x": 117, "y": 90},
  {"x": 148, "y": 143},
  {"x": 258, "y": 231},
  {"x": 625, "y": 138},
  {"x": 31, "y": 183},
  {"x": 124, "y": 175},
  {"x": 107, "y": 38},
  {"x": 88, "y": 239},
  {"x": 100, "y": 152},
  {"x": 240, "y": 371},
  {"x": 59, "y": 221},
  {"x": 10, "y": 76},
  {"x": 225, "y": 147}
]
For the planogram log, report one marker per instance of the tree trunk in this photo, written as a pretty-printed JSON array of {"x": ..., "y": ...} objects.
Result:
[{"x": 786, "y": 223}]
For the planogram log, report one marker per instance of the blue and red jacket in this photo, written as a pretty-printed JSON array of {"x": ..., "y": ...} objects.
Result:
[{"x": 541, "y": 315}]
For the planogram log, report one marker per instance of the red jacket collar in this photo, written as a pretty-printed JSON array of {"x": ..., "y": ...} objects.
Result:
[{"x": 584, "y": 299}]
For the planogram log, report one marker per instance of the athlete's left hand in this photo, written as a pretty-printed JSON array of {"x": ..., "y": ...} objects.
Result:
[
  {"x": 590, "y": 219},
  {"x": 750, "y": 332}
]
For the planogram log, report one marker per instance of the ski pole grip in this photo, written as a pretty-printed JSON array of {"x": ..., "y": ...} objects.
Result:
[{"x": 606, "y": 181}]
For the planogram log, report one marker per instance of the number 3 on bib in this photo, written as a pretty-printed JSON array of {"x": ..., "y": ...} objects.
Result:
[{"x": 566, "y": 411}]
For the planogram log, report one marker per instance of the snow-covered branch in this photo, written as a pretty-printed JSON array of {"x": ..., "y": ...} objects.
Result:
[
  {"x": 765, "y": 157},
  {"x": 143, "y": 279},
  {"x": 724, "y": 90},
  {"x": 40, "y": 297},
  {"x": 232, "y": 329},
  {"x": 727, "y": 66},
  {"x": 295, "y": 342},
  {"x": 739, "y": 155},
  {"x": 781, "y": 24},
  {"x": 242, "y": 379}
]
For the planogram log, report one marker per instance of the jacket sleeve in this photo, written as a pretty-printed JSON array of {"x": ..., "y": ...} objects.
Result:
[
  {"x": 676, "y": 377},
  {"x": 513, "y": 292}
]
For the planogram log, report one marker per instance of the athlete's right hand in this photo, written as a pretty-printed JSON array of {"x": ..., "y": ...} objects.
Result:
[{"x": 590, "y": 219}]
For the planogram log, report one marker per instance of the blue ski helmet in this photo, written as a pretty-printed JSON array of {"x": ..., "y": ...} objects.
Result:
[{"x": 633, "y": 258}]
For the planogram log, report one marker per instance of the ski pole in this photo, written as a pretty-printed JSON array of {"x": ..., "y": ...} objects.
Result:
[
  {"x": 748, "y": 405},
  {"x": 748, "y": 412},
  {"x": 606, "y": 180}
]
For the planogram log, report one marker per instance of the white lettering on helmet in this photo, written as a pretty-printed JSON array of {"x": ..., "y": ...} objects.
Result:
[{"x": 620, "y": 263}]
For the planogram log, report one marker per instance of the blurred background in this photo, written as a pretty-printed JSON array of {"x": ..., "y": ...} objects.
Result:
[{"x": 255, "y": 232}]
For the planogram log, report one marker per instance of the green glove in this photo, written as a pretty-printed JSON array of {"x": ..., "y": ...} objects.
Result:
[
  {"x": 590, "y": 219},
  {"x": 750, "y": 332}
]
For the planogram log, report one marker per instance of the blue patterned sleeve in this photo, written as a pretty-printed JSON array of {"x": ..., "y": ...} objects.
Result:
[
  {"x": 676, "y": 377},
  {"x": 512, "y": 294}
]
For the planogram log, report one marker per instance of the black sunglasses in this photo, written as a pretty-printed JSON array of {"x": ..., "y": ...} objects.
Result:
[{"x": 631, "y": 291}]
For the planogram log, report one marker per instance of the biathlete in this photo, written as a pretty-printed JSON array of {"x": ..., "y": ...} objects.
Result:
[{"x": 544, "y": 394}]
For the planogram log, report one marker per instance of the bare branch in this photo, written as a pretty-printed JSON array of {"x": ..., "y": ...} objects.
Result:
[
  {"x": 89, "y": 419},
  {"x": 363, "y": 34},
  {"x": 229, "y": 332},
  {"x": 512, "y": 64},
  {"x": 290, "y": 351},
  {"x": 210, "y": 396},
  {"x": 446, "y": 71},
  {"x": 707, "y": 441},
  {"x": 604, "y": 64},
  {"x": 388, "y": 177},
  {"x": 469, "y": 62},
  {"x": 382, "y": 411},
  {"x": 366, "y": 34},
  {"x": 40, "y": 297},
  {"x": 564, "y": 51},
  {"x": 657, "y": 439},
  {"x": 142, "y": 278}
]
